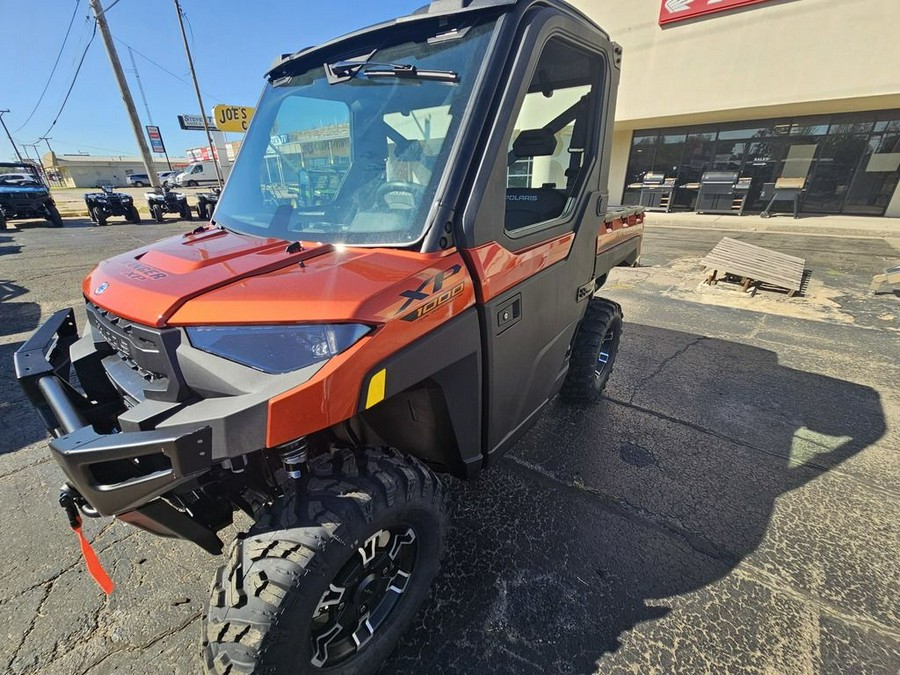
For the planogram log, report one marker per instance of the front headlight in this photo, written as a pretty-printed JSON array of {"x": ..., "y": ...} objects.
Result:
[
  {"x": 276, "y": 349},
  {"x": 126, "y": 199}
]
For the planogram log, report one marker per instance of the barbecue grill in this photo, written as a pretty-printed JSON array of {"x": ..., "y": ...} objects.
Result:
[
  {"x": 722, "y": 192},
  {"x": 657, "y": 192}
]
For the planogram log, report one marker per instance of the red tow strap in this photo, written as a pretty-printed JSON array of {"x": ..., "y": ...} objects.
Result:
[
  {"x": 67, "y": 500},
  {"x": 93, "y": 562}
]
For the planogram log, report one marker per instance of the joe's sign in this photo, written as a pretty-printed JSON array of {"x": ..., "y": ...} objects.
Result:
[{"x": 671, "y": 11}]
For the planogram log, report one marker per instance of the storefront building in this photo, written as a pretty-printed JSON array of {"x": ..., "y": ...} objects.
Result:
[{"x": 806, "y": 89}]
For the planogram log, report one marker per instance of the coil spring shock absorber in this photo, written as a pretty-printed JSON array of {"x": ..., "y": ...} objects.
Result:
[{"x": 293, "y": 457}]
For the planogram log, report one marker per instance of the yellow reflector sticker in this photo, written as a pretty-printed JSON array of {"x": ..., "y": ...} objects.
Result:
[{"x": 376, "y": 388}]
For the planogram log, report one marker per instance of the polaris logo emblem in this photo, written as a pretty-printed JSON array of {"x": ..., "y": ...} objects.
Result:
[
  {"x": 521, "y": 198},
  {"x": 101, "y": 288}
]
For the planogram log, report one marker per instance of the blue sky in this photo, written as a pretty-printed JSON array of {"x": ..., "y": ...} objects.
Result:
[{"x": 233, "y": 43}]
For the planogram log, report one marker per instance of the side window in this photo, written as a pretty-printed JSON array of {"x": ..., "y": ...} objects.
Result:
[{"x": 553, "y": 139}]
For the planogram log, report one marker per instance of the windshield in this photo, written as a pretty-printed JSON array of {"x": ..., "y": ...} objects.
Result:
[{"x": 357, "y": 161}]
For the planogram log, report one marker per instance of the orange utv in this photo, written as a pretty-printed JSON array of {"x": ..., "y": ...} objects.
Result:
[{"x": 317, "y": 357}]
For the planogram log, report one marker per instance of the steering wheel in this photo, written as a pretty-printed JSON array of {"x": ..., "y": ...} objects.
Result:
[{"x": 399, "y": 195}]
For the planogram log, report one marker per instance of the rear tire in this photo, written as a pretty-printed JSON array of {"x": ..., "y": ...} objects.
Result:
[
  {"x": 134, "y": 215},
  {"x": 186, "y": 213},
  {"x": 593, "y": 352},
  {"x": 286, "y": 603},
  {"x": 138, "y": 184}
]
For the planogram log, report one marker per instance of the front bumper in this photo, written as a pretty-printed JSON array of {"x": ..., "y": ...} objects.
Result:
[{"x": 161, "y": 458}]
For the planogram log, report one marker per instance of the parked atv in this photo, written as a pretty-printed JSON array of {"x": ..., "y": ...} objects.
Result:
[
  {"x": 24, "y": 195},
  {"x": 206, "y": 203},
  {"x": 318, "y": 365},
  {"x": 108, "y": 203},
  {"x": 166, "y": 201}
]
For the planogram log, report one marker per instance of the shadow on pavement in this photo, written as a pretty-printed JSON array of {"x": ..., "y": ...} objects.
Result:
[
  {"x": 6, "y": 248},
  {"x": 16, "y": 317},
  {"x": 19, "y": 424},
  {"x": 599, "y": 516}
]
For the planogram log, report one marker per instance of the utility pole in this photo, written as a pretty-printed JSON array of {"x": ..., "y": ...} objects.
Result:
[
  {"x": 11, "y": 142},
  {"x": 187, "y": 50},
  {"x": 52, "y": 154},
  {"x": 126, "y": 94},
  {"x": 34, "y": 146},
  {"x": 137, "y": 77}
]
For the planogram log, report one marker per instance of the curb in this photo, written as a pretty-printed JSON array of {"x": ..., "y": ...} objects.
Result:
[{"x": 789, "y": 227}]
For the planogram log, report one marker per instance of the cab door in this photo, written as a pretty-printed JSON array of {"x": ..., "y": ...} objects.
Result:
[{"x": 532, "y": 236}]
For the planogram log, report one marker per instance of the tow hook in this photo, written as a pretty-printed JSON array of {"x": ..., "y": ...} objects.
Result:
[{"x": 68, "y": 500}]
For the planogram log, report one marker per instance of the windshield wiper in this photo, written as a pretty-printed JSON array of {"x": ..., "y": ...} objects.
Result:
[{"x": 344, "y": 70}]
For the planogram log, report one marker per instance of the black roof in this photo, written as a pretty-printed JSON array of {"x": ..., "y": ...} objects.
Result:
[{"x": 436, "y": 9}]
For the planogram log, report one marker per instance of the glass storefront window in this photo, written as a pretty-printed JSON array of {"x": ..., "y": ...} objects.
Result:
[
  {"x": 851, "y": 161},
  {"x": 729, "y": 156},
  {"x": 668, "y": 154},
  {"x": 741, "y": 134},
  {"x": 876, "y": 176}
]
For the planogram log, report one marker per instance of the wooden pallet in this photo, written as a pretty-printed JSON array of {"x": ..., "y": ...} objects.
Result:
[
  {"x": 755, "y": 264},
  {"x": 890, "y": 277}
]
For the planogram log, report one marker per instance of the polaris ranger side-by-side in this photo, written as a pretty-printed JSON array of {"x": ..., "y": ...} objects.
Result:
[
  {"x": 24, "y": 195},
  {"x": 317, "y": 363}
]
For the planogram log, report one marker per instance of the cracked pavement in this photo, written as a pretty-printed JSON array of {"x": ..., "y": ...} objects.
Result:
[{"x": 731, "y": 506}]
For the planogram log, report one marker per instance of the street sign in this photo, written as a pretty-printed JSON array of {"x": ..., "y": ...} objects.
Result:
[
  {"x": 195, "y": 122},
  {"x": 232, "y": 117},
  {"x": 156, "y": 141},
  {"x": 671, "y": 11}
]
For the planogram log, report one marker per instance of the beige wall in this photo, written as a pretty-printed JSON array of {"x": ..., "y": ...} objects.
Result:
[
  {"x": 768, "y": 57},
  {"x": 782, "y": 57}
]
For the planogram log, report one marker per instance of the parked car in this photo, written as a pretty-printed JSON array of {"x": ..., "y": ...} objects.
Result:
[
  {"x": 138, "y": 180},
  {"x": 167, "y": 178}
]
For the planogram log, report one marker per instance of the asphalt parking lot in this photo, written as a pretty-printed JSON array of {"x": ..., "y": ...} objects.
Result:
[{"x": 732, "y": 506}]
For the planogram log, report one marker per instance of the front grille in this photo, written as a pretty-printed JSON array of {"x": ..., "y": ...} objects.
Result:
[{"x": 148, "y": 351}]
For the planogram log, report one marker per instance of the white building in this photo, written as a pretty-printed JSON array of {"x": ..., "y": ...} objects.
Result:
[{"x": 752, "y": 81}]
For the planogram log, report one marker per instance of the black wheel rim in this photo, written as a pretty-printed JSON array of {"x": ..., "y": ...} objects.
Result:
[
  {"x": 363, "y": 595},
  {"x": 607, "y": 353}
]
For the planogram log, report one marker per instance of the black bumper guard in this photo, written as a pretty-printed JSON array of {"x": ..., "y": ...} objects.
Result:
[{"x": 43, "y": 367}]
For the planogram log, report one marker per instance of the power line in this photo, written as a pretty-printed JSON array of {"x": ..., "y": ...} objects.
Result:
[
  {"x": 74, "y": 79},
  {"x": 163, "y": 68},
  {"x": 52, "y": 70}
]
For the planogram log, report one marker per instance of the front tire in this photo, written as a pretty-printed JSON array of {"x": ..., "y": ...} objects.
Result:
[
  {"x": 99, "y": 218},
  {"x": 53, "y": 216},
  {"x": 192, "y": 183},
  {"x": 593, "y": 352},
  {"x": 157, "y": 213},
  {"x": 134, "y": 215},
  {"x": 331, "y": 577}
]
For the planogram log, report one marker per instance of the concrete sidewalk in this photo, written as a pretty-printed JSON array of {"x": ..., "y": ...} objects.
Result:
[{"x": 857, "y": 227}]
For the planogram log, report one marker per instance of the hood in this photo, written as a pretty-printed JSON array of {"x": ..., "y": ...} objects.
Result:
[
  {"x": 220, "y": 277},
  {"x": 23, "y": 189}
]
